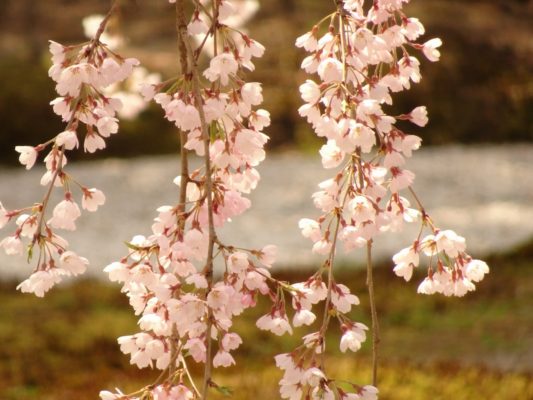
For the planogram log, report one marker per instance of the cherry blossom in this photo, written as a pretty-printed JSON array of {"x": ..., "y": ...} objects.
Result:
[{"x": 28, "y": 155}]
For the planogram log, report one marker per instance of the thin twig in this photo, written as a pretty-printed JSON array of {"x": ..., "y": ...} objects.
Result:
[
  {"x": 189, "y": 376},
  {"x": 103, "y": 24},
  {"x": 182, "y": 50},
  {"x": 208, "y": 270},
  {"x": 375, "y": 322},
  {"x": 370, "y": 285}
]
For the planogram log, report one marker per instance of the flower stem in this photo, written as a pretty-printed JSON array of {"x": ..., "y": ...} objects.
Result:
[
  {"x": 375, "y": 323},
  {"x": 208, "y": 270}
]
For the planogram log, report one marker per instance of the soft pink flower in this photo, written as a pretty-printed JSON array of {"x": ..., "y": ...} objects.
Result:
[
  {"x": 308, "y": 41},
  {"x": 413, "y": 28},
  {"x": 310, "y": 92},
  {"x": 476, "y": 269},
  {"x": 93, "y": 142},
  {"x": 4, "y": 218},
  {"x": 342, "y": 299},
  {"x": 303, "y": 317},
  {"x": 419, "y": 116},
  {"x": 39, "y": 282},
  {"x": 73, "y": 263},
  {"x": 28, "y": 155},
  {"x": 330, "y": 70},
  {"x": 450, "y": 242},
  {"x": 221, "y": 67},
  {"x": 405, "y": 260},
  {"x": 64, "y": 215},
  {"x": 68, "y": 139},
  {"x": 92, "y": 199},
  {"x": 430, "y": 49},
  {"x": 12, "y": 245},
  {"x": 353, "y": 337},
  {"x": 223, "y": 359}
]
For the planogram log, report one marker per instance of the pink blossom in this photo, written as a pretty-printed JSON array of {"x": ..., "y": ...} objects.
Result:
[
  {"x": 277, "y": 324},
  {"x": 58, "y": 52},
  {"x": 72, "y": 77},
  {"x": 310, "y": 92},
  {"x": 322, "y": 247},
  {"x": 419, "y": 116},
  {"x": 405, "y": 260},
  {"x": 352, "y": 337},
  {"x": 72, "y": 263},
  {"x": 476, "y": 270},
  {"x": 28, "y": 155},
  {"x": 4, "y": 217},
  {"x": 107, "y": 395},
  {"x": 39, "y": 282},
  {"x": 402, "y": 179},
  {"x": 330, "y": 70},
  {"x": 65, "y": 214},
  {"x": 92, "y": 199},
  {"x": 223, "y": 359},
  {"x": 68, "y": 139},
  {"x": 361, "y": 209},
  {"x": 308, "y": 41},
  {"x": 314, "y": 376},
  {"x": 331, "y": 154},
  {"x": 303, "y": 317},
  {"x": 450, "y": 243},
  {"x": 93, "y": 142},
  {"x": 268, "y": 255},
  {"x": 342, "y": 299},
  {"x": 221, "y": 67},
  {"x": 118, "y": 272},
  {"x": 430, "y": 49},
  {"x": 231, "y": 341},
  {"x": 427, "y": 286},
  {"x": 310, "y": 229},
  {"x": 12, "y": 245},
  {"x": 196, "y": 348},
  {"x": 107, "y": 125},
  {"x": 369, "y": 392},
  {"x": 413, "y": 28}
]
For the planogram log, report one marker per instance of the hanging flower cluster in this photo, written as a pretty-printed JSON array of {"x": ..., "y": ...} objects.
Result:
[
  {"x": 361, "y": 54},
  {"x": 185, "y": 310},
  {"x": 127, "y": 91},
  {"x": 81, "y": 72}
]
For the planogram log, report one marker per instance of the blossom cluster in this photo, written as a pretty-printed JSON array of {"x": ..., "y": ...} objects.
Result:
[
  {"x": 185, "y": 309},
  {"x": 361, "y": 58},
  {"x": 127, "y": 90},
  {"x": 81, "y": 73}
]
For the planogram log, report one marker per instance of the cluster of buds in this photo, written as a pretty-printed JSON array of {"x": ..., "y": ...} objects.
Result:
[{"x": 82, "y": 72}]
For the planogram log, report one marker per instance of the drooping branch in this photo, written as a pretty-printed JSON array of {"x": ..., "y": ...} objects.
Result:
[{"x": 185, "y": 44}]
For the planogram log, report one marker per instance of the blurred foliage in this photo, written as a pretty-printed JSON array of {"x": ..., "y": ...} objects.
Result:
[
  {"x": 475, "y": 348},
  {"x": 481, "y": 91}
]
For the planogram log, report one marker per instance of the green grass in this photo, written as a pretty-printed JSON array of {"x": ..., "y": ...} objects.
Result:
[{"x": 477, "y": 347}]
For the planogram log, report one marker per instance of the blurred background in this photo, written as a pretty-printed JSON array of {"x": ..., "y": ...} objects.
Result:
[{"x": 480, "y": 138}]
